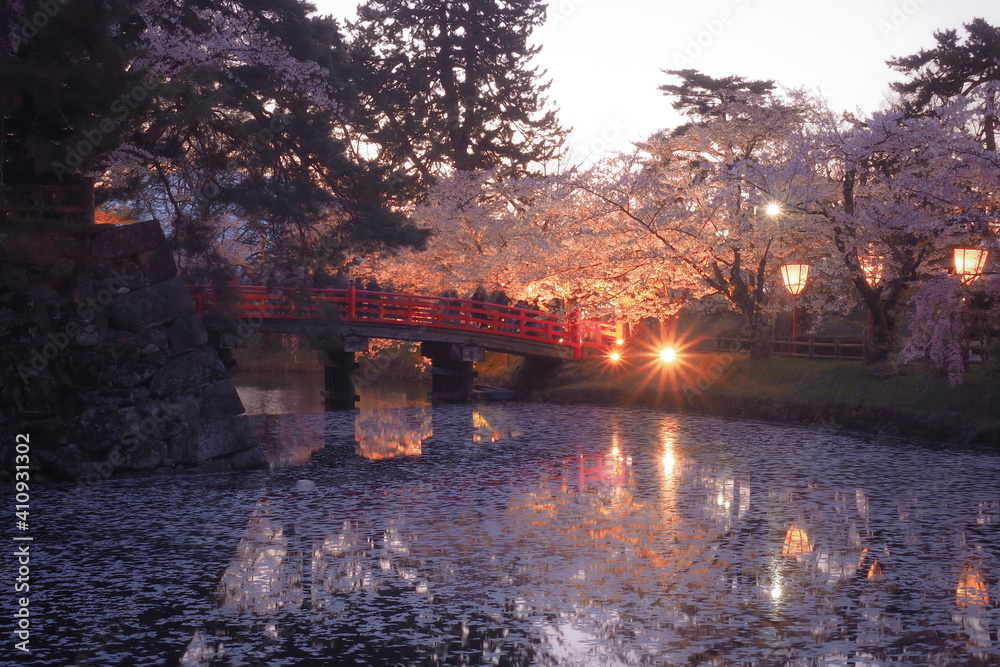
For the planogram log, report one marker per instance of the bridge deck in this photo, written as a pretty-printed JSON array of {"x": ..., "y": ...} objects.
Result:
[{"x": 412, "y": 317}]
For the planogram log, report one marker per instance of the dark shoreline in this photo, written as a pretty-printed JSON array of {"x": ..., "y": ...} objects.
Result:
[{"x": 937, "y": 415}]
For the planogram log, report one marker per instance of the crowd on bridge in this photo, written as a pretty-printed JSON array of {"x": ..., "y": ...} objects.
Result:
[{"x": 555, "y": 306}]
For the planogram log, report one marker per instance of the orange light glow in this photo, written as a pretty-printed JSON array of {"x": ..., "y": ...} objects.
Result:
[
  {"x": 872, "y": 267},
  {"x": 614, "y": 356},
  {"x": 620, "y": 341},
  {"x": 796, "y": 542},
  {"x": 794, "y": 276},
  {"x": 969, "y": 264},
  {"x": 382, "y": 432},
  {"x": 667, "y": 355},
  {"x": 971, "y": 589}
]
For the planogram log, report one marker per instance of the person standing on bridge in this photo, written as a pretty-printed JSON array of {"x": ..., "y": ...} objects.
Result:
[
  {"x": 482, "y": 297},
  {"x": 452, "y": 306},
  {"x": 501, "y": 299}
]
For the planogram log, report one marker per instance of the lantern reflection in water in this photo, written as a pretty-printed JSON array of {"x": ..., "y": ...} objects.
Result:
[
  {"x": 796, "y": 542},
  {"x": 874, "y": 570},
  {"x": 971, "y": 590}
]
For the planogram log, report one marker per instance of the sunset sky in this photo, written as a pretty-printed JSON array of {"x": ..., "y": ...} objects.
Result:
[{"x": 604, "y": 57}]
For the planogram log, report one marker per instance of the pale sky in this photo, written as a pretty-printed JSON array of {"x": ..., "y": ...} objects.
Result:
[{"x": 604, "y": 57}]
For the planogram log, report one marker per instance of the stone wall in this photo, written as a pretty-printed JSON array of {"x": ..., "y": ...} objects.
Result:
[{"x": 103, "y": 361}]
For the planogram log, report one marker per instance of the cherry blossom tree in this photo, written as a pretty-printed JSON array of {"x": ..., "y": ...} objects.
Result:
[
  {"x": 892, "y": 195},
  {"x": 487, "y": 229},
  {"x": 947, "y": 315},
  {"x": 684, "y": 217}
]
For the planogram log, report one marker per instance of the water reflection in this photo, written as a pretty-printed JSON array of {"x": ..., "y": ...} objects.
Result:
[
  {"x": 537, "y": 535},
  {"x": 796, "y": 542},
  {"x": 290, "y": 440},
  {"x": 492, "y": 424},
  {"x": 971, "y": 590},
  {"x": 383, "y": 432},
  {"x": 614, "y": 548}
]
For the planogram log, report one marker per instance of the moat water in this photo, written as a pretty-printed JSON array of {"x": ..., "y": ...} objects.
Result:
[{"x": 402, "y": 533}]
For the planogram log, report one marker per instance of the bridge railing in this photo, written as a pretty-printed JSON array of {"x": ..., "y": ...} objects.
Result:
[{"x": 351, "y": 305}]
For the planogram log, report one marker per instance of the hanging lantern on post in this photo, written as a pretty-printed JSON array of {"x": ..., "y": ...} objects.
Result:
[
  {"x": 872, "y": 267},
  {"x": 794, "y": 276},
  {"x": 969, "y": 263}
]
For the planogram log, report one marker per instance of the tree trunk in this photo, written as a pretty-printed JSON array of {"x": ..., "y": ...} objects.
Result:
[
  {"x": 883, "y": 332},
  {"x": 760, "y": 341}
]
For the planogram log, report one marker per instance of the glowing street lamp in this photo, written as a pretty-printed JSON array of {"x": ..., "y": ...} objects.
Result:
[
  {"x": 667, "y": 355},
  {"x": 794, "y": 276},
  {"x": 969, "y": 263},
  {"x": 872, "y": 267},
  {"x": 773, "y": 209}
]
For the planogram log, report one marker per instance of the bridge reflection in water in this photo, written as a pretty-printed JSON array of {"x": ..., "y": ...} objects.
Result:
[{"x": 649, "y": 541}]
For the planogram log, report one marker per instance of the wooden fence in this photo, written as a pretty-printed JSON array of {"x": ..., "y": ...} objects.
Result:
[{"x": 811, "y": 348}]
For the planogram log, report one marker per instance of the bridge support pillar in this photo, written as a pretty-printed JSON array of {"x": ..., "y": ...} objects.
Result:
[
  {"x": 338, "y": 382},
  {"x": 452, "y": 373}
]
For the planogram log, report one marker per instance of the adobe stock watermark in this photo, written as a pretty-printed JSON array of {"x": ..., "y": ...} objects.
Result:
[
  {"x": 261, "y": 139},
  {"x": 47, "y": 10},
  {"x": 86, "y": 312},
  {"x": 381, "y": 363},
  {"x": 604, "y": 143},
  {"x": 710, "y": 31},
  {"x": 162, "y": 416},
  {"x": 899, "y": 16},
  {"x": 561, "y": 11},
  {"x": 247, "y": 331},
  {"x": 138, "y": 431},
  {"x": 692, "y": 392},
  {"x": 92, "y": 138}
]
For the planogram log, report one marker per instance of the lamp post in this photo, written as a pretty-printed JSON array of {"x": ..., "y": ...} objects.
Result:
[
  {"x": 794, "y": 276},
  {"x": 969, "y": 263}
]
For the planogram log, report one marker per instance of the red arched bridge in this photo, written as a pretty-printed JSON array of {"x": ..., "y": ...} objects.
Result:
[
  {"x": 440, "y": 319},
  {"x": 453, "y": 332}
]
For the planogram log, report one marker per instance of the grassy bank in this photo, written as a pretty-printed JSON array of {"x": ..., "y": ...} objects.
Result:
[{"x": 914, "y": 401}]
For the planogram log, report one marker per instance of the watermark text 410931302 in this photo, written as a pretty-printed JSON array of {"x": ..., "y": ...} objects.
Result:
[{"x": 21, "y": 586}]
